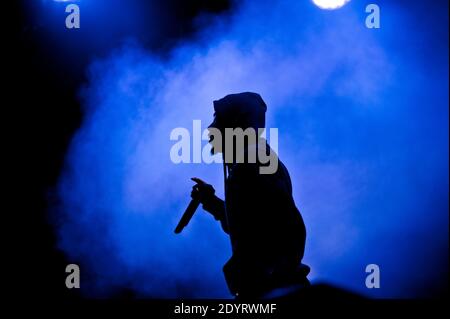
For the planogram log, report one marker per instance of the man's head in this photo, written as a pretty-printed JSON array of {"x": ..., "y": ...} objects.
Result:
[{"x": 242, "y": 110}]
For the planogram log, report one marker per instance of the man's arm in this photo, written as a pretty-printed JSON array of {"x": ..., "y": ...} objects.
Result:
[
  {"x": 205, "y": 193},
  {"x": 216, "y": 207}
]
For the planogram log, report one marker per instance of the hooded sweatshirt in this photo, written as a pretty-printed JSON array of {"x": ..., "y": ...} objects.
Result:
[{"x": 266, "y": 229}]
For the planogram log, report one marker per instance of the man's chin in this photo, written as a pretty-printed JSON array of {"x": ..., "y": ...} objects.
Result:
[{"x": 214, "y": 151}]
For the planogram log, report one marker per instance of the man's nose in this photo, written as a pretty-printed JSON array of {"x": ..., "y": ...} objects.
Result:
[{"x": 212, "y": 125}]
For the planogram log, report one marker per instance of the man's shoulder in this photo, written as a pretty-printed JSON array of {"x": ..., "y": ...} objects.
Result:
[{"x": 253, "y": 171}]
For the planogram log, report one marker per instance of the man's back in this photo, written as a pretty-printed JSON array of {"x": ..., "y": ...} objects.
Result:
[{"x": 266, "y": 229}]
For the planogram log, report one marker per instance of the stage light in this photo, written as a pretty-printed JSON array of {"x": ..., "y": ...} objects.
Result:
[{"x": 330, "y": 4}]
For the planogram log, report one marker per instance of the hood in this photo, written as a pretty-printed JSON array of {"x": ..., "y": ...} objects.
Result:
[{"x": 243, "y": 110}]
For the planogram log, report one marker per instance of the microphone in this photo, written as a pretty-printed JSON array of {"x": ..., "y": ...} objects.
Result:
[{"x": 188, "y": 213}]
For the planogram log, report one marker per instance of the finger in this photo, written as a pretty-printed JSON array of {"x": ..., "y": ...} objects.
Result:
[{"x": 198, "y": 180}]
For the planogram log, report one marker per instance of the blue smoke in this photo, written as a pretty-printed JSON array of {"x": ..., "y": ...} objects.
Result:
[{"x": 363, "y": 128}]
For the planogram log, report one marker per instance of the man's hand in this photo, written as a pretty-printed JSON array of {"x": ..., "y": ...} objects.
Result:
[
  {"x": 202, "y": 191},
  {"x": 205, "y": 193}
]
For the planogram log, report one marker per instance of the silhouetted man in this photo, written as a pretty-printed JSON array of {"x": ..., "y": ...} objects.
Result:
[{"x": 266, "y": 229}]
